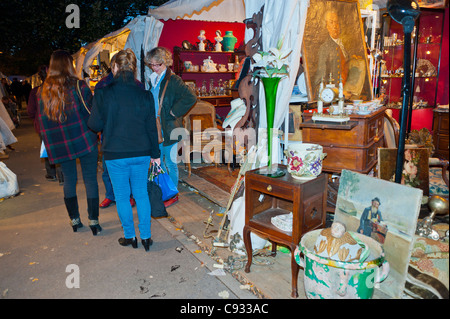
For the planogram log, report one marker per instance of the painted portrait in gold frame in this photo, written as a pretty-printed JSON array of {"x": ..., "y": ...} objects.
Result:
[{"x": 333, "y": 44}]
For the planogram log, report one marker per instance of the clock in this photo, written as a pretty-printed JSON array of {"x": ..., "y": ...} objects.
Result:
[{"x": 328, "y": 94}]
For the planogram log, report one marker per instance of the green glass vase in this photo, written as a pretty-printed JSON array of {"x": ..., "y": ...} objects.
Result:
[{"x": 270, "y": 92}]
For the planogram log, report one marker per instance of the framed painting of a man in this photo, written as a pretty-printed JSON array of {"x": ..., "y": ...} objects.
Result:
[{"x": 334, "y": 48}]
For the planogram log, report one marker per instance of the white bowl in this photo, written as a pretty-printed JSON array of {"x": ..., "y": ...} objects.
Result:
[{"x": 304, "y": 161}]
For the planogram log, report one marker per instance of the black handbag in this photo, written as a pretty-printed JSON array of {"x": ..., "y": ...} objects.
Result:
[{"x": 155, "y": 195}]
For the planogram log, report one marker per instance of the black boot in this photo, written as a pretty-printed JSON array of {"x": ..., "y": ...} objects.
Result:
[
  {"x": 74, "y": 214},
  {"x": 128, "y": 241},
  {"x": 147, "y": 243},
  {"x": 93, "y": 212}
]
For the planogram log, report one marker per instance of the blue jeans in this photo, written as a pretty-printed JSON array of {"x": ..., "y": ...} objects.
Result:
[
  {"x": 169, "y": 161},
  {"x": 130, "y": 175},
  {"x": 109, "y": 193}
]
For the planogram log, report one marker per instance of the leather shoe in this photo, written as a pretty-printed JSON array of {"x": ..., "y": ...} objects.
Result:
[
  {"x": 106, "y": 203},
  {"x": 171, "y": 201},
  {"x": 132, "y": 202},
  {"x": 50, "y": 177},
  {"x": 128, "y": 241},
  {"x": 147, "y": 243}
]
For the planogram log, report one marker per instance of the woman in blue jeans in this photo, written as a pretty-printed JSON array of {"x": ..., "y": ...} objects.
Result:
[{"x": 125, "y": 114}]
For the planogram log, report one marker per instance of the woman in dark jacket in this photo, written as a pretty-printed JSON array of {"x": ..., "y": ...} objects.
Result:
[
  {"x": 178, "y": 100},
  {"x": 63, "y": 116},
  {"x": 125, "y": 113}
]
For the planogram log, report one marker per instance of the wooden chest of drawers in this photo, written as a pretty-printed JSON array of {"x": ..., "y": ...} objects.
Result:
[{"x": 352, "y": 145}]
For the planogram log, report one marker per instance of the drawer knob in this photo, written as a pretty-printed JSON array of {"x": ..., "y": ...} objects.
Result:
[{"x": 269, "y": 188}]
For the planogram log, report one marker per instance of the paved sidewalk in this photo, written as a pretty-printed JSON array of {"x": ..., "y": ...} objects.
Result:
[{"x": 40, "y": 255}]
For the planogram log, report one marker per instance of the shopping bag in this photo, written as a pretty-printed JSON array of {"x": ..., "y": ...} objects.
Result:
[
  {"x": 161, "y": 178},
  {"x": 156, "y": 203},
  {"x": 8, "y": 182},
  {"x": 43, "y": 152}
]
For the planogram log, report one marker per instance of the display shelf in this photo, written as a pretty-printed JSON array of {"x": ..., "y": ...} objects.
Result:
[
  {"x": 197, "y": 57},
  {"x": 426, "y": 50},
  {"x": 198, "y": 78}
]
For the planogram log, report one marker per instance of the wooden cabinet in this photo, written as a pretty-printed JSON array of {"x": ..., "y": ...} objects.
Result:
[
  {"x": 441, "y": 132},
  {"x": 267, "y": 197},
  {"x": 352, "y": 145}
]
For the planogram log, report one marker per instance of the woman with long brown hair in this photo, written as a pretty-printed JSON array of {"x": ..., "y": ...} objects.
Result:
[{"x": 64, "y": 109}]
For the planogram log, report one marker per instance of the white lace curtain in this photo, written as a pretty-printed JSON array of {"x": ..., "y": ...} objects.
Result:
[{"x": 281, "y": 19}]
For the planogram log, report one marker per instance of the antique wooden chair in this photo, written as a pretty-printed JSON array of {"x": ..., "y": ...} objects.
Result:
[{"x": 205, "y": 138}]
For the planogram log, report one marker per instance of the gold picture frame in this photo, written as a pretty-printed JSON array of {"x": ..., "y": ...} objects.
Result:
[{"x": 333, "y": 42}]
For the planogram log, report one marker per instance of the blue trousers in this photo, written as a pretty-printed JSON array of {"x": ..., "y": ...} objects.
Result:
[
  {"x": 109, "y": 193},
  {"x": 169, "y": 161},
  {"x": 130, "y": 175}
]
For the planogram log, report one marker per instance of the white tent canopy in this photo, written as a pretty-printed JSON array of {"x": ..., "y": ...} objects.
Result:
[
  {"x": 113, "y": 41},
  {"x": 203, "y": 10},
  {"x": 79, "y": 56},
  {"x": 141, "y": 31}
]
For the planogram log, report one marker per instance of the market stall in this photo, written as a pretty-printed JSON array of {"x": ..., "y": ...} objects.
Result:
[
  {"x": 283, "y": 26},
  {"x": 283, "y": 22},
  {"x": 141, "y": 33}
]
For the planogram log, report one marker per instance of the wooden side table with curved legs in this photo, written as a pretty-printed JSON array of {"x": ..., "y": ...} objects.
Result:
[{"x": 267, "y": 197}]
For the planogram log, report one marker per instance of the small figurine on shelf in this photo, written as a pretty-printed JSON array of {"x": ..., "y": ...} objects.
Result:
[
  {"x": 209, "y": 65},
  {"x": 218, "y": 38},
  {"x": 222, "y": 68},
  {"x": 201, "y": 37}
]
